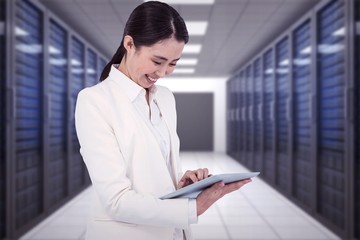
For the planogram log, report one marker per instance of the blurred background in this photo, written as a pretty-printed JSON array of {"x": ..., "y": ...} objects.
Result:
[{"x": 262, "y": 85}]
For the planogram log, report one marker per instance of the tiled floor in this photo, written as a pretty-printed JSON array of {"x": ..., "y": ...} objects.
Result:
[{"x": 254, "y": 212}]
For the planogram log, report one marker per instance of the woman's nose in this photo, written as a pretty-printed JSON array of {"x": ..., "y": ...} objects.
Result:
[{"x": 161, "y": 71}]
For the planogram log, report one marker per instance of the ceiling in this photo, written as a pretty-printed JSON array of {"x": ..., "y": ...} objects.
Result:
[{"x": 237, "y": 29}]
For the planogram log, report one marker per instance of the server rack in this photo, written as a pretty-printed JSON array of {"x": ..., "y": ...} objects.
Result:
[
  {"x": 302, "y": 114},
  {"x": 28, "y": 142},
  {"x": 331, "y": 124},
  {"x": 249, "y": 117},
  {"x": 258, "y": 117},
  {"x": 91, "y": 68},
  {"x": 235, "y": 117},
  {"x": 228, "y": 117},
  {"x": 58, "y": 65},
  {"x": 282, "y": 100},
  {"x": 101, "y": 66},
  {"x": 2, "y": 122},
  {"x": 241, "y": 106},
  {"x": 269, "y": 108},
  {"x": 231, "y": 118},
  {"x": 318, "y": 114},
  {"x": 356, "y": 149},
  {"x": 77, "y": 169},
  {"x": 41, "y": 168}
]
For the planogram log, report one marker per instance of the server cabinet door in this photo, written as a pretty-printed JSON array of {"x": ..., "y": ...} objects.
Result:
[
  {"x": 77, "y": 82},
  {"x": 331, "y": 139},
  {"x": 101, "y": 66},
  {"x": 249, "y": 120},
  {"x": 91, "y": 68},
  {"x": 234, "y": 117},
  {"x": 258, "y": 117},
  {"x": 282, "y": 100},
  {"x": 2, "y": 122},
  {"x": 58, "y": 67},
  {"x": 269, "y": 105},
  {"x": 233, "y": 104},
  {"x": 303, "y": 178},
  {"x": 28, "y": 160},
  {"x": 357, "y": 122},
  {"x": 241, "y": 113},
  {"x": 228, "y": 113}
]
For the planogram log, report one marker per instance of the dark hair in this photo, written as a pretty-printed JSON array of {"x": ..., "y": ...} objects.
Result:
[{"x": 148, "y": 24}]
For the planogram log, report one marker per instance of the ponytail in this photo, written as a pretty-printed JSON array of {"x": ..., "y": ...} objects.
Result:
[{"x": 116, "y": 59}]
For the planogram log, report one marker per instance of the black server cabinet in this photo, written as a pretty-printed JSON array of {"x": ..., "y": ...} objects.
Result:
[
  {"x": 58, "y": 75},
  {"x": 258, "y": 117},
  {"x": 91, "y": 68},
  {"x": 331, "y": 124},
  {"x": 282, "y": 108},
  {"x": 77, "y": 169},
  {"x": 231, "y": 119},
  {"x": 2, "y": 122},
  {"x": 357, "y": 122},
  {"x": 28, "y": 81},
  {"x": 101, "y": 64},
  {"x": 228, "y": 128},
  {"x": 303, "y": 179},
  {"x": 269, "y": 105},
  {"x": 241, "y": 116},
  {"x": 235, "y": 125},
  {"x": 234, "y": 119},
  {"x": 249, "y": 117}
]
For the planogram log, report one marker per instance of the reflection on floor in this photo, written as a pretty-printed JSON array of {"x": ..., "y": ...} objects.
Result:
[{"x": 256, "y": 211}]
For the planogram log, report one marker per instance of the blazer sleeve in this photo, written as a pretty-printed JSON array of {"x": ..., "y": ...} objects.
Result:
[{"x": 107, "y": 170}]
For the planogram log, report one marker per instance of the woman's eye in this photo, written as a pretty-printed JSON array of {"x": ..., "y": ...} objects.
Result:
[
  {"x": 157, "y": 63},
  {"x": 173, "y": 64}
]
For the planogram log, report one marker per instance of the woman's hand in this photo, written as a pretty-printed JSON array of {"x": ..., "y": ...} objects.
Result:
[
  {"x": 191, "y": 177},
  {"x": 210, "y": 195}
]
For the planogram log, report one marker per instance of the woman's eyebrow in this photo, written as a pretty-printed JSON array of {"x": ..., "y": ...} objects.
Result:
[{"x": 165, "y": 59}]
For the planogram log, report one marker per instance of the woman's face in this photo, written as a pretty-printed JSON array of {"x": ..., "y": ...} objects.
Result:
[{"x": 145, "y": 65}]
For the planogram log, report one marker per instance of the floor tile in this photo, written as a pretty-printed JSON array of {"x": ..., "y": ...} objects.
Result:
[
  {"x": 209, "y": 232},
  {"x": 302, "y": 233},
  {"x": 252, "y": 232}
]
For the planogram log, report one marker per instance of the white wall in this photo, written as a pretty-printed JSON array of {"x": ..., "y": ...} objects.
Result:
[{"x": 217, "y": 86}]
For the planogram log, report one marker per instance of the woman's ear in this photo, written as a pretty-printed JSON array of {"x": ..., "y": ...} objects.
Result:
[{"x": 129, "y": 43}]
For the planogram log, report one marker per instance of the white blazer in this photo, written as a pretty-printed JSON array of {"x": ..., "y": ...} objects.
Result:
[{"x": 127, "y": 168}]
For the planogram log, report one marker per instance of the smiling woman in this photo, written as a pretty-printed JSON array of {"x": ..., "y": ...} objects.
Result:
[{"x": 126, "y": 127}]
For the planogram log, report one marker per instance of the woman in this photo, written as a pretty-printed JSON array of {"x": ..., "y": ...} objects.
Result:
[{"x": 126, "y": 126}]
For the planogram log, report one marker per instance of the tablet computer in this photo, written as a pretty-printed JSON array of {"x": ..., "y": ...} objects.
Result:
[{"x": 193, "y": 190}]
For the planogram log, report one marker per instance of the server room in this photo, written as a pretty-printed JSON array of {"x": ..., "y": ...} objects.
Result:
[{"x": 268, "y": 86}]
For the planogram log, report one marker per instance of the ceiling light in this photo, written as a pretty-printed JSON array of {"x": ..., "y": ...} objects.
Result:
[
  {"x": 184, "y": 70},
  {"x": 196, "y": 28},
  {"x": 192, "y": 48},
  {"x": 187, "y": 62},
  {"x": 192, "y": 2}
]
